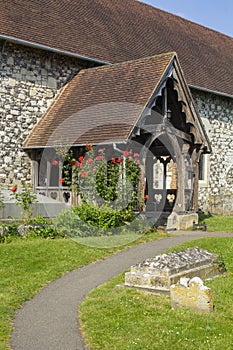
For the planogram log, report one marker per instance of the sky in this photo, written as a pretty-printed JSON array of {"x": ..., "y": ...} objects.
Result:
[{"x": 214, "y": 14}]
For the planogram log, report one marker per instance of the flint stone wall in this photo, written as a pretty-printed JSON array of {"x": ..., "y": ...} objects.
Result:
[
  {"x": 216, "y": 191},
  {"x": 29, "y": 81}
]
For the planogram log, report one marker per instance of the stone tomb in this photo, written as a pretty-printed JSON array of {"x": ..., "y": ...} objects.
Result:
[{"x": 156, "y": 275}]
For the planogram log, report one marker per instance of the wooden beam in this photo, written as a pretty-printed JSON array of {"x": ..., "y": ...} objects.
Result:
[
  {"x": 153, "y": 129},
  {"x": 181, "y": 134}
]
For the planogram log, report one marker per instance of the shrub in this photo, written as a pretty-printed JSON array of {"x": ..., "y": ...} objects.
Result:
[
  {"x": 89, "y": 220},
  {"x": 37, "y": 227},
  {"x": 42, "y": 227},
  {"x": 24, "y": 199},
  {"x": 100, "y": 179},
  {"x": 104, "y": 216},
  {"x": 68, "y": 223},
  {"x": 8, "y": 231}
]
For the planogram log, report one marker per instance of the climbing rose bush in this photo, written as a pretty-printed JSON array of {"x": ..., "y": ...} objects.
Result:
[
  {"x": 108, "y": 187},
  {"x": 100, "y": 180}
]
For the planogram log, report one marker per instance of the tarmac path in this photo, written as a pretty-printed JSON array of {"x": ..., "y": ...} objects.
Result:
[{"x": 49, "y": 320}]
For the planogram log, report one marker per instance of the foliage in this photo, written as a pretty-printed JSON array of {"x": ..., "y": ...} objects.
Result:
[
  {"x": 41, "y": 227},
  {"x": 8, "y": 232},
  {"x": 104, "y": 216},
  {"x": 158, "y": 326},
  {"x": 89, "y": 220},
  {"x": 107, "y": 178},
  {"x": 24, "y": 199},
  {"x": 203, "y": 216},
  {"x": 107, "y": 187},
  {"x": 36, "y": 227},
  {"x": 69, "y": 224},
  {"x": 100, "y": 179},
  {"x": 133, "y": 172}
]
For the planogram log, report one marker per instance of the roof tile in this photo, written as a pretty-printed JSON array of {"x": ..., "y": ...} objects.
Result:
[
  {"x": 117, "y": 31},
  {"x": 100, "y": 104}
]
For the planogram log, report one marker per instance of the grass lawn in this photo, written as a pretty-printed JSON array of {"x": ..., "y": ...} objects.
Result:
[
  {"x": 133, "y": 320},
  {"x": 29, "y": 264},
  {"x": 218, "y": 223}
]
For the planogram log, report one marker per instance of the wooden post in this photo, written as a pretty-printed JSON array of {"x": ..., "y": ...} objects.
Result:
[
  {"x": 181, "y": 171},
  {"x": 48, "y": 174},
  {"x": 195, "y": 159},
  {"x": 35, "y": 171}
]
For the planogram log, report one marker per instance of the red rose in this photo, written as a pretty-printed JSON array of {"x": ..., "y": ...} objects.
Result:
[
  {"x": 94, "y": 170},
  {"x": 90, "y": 160},
  {"x": 138, "y": 161},
  {"x": 14, "y": 189},
  {"x": 126, "y": 153},
  {"x": 73, "y": 162},
  {"x": 146, "y": 197},
  {"x": 80, "y": 159},
  {"x": 62, "y": 150},
  {"x": 136, "y": 155},
  {"x": 84, "y": 175},
  {"x": 113, "y": 160},
  {"x": 54, "y": 162},
  {"x": 99, "y": 158},
  {"x": 62, "y": 181},
  {"x": 119, "y": 160},
  {"x": 88, "y": 146},
  {"x": 79, "y": 165}
]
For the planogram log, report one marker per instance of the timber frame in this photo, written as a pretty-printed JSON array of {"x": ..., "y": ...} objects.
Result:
[{"x": 171, "y": 131}]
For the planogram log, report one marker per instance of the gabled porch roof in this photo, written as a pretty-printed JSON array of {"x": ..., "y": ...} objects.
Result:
[{"x": 104, "y": 104}]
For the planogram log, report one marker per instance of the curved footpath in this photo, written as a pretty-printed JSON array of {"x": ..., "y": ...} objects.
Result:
[{"x": 49, "y": 320}]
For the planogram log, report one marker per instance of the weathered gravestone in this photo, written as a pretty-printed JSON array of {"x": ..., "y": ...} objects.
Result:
[
  {"x": 192, "y": 294},
  {"x": 156, "y": 275}
]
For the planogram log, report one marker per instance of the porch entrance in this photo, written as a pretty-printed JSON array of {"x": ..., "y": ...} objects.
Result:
[
  {"x": 161, "y": 174},
  {"x": 170, "y": 134},
  {"x": 169, "y": 173}
]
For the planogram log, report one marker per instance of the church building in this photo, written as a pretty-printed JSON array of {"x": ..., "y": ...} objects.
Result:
[{"x": 120, "y": 75}]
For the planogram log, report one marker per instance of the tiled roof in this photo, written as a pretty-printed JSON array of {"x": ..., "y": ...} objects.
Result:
[
  {"x": 122, "y": 30},
  {"x": 100, "y": 105}
]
